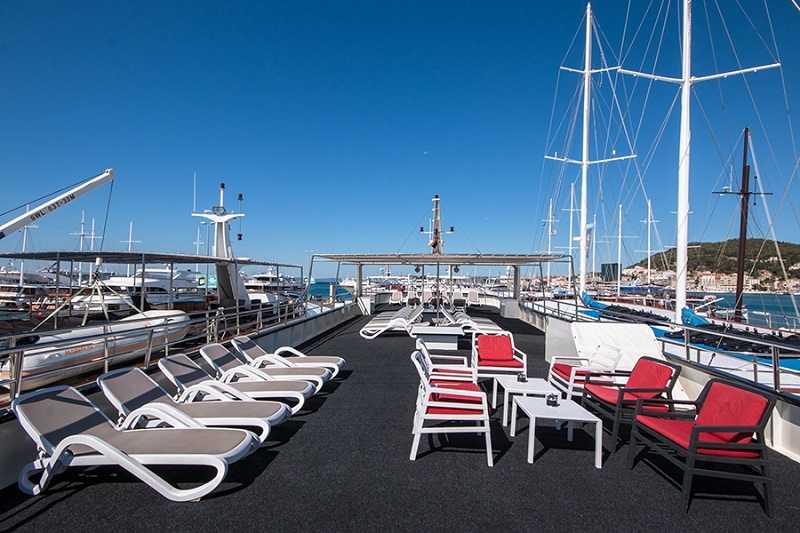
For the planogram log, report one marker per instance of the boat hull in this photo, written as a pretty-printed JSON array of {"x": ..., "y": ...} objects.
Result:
[{"x": 54, "y": 357}]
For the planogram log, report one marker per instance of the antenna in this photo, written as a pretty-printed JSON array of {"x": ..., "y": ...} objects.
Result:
[
  {"x": 437, "y": 242},
  {"x": 130, "y": 241}
]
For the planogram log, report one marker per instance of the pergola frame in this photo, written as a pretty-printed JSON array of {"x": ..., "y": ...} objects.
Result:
[{"x": 517, "y": 261}]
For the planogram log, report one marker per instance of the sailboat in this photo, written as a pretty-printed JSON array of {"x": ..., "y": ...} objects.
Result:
[{"x": 686, "y": 82}]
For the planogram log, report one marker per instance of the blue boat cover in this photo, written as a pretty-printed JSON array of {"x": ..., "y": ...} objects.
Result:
[
  {"x": 590, "y": 302},
  {"x": 690, "y": 318}
]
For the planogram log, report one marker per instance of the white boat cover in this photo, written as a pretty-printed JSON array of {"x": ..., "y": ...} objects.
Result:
[{"x": 635, "y": 340}]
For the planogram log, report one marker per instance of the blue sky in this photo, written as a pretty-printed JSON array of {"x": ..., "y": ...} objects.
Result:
[{"x": 337, "y": 121}]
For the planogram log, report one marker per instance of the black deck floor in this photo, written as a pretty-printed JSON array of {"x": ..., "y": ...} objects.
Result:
[{"x": 343, "y": 465}]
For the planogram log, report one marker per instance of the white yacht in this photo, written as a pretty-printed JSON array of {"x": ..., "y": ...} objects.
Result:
[
  {"x": 16, "y": 296},
  {"x": 26, "y": 291},
  {"x": 270, "y": 282},
  {"x": 162, "y": 286}
]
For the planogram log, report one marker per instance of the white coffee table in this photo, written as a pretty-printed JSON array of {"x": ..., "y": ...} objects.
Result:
[
  {"x": 532, "y": 387},
  {"x": 566, "y": 411},
  {"x": 438, "y": 337}
]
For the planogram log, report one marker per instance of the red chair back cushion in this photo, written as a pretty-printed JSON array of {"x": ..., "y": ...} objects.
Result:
[
  {"x": 647, "y": 374},
  {"x": 495, "y": 348},
  {"x": 725, "y": 405}
]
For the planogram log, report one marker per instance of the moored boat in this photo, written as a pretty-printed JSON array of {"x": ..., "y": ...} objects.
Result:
[
  {"x": 153, "y": 287},
  {"x": 49, "y": 357}
]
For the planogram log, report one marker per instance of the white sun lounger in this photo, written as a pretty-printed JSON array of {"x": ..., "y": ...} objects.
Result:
[
  {"x": 191, "y": 378},
  {"x": 227, "y": 363},
  {"x": 70, "y": 431},
  {"x": 130, "y": 388},
  {"x": 402, "y": 320},
  {"x": 252, "y": 352},
  {"x": 471, "y": 324}
]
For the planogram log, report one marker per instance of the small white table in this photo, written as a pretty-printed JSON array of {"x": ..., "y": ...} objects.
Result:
[
  {"x": 567, "y": 410},
  {"x": 438, "y": 337},
  {"x": 532, "y": 387}
]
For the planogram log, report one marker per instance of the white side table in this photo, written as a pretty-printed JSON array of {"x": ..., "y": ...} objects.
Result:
[
  {"x": 532, "y": 387},
  {"x": 567, "y": 410},
  {"x": 438, "y": 337}
]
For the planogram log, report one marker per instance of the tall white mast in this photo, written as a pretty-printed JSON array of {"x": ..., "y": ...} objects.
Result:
[
  {"x": 683, "y": 164},
  {"x": 571, "y": 217},
  {"x": 587, "y": 90},
  {"x": 197, "y": 243},
  {"x": 130, "y": 242},
  {"x": 585, "y": 162},
  {"x": 549, "y": 221},
  {"x": 686, "y": 81},
  {"x": 649, "y": 221},
  {"x": 92, "y": 237},
  {"x": 594, "y": 245},
  {"x": 82, "y": 236},
  {"x": 649, "y": 253},
  {"x": 619, "y": 252}
]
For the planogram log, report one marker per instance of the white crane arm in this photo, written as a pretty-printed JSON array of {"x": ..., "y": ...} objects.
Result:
[{"x": 59, "y": 201}]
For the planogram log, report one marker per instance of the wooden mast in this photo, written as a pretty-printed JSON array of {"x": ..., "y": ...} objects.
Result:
[{"x": 745, "y": 202}]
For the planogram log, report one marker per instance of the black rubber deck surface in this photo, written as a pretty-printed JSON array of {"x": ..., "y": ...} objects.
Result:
[{"x": 343, "y": 465}]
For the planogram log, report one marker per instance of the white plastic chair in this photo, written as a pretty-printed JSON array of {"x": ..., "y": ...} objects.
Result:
[
  {"x": 567, "y": 373},
  {"x": 448, "y": 408}
]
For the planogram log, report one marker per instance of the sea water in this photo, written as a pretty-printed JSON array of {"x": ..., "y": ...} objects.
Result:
[
  {"x": 322, "y": 289},
  {"x": 766, "y": 309}
]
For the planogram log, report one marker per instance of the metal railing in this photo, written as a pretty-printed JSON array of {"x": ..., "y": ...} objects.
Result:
[
  {"x": 153, "y": 341},
  {"x": 773, "y": 320},
  {"x": 767, "y": 365},
  {"x": 770, "y": 358},
  {"x": 564, "y": 309}
]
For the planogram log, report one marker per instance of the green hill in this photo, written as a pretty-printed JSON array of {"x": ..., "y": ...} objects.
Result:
[{"x": 720, "y": 257}]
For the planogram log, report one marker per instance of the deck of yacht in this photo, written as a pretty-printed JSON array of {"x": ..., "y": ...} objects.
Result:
[{"x": 342, "y": 465}]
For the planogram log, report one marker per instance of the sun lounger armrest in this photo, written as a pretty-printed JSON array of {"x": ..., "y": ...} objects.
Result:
[
  {"x": 162, "y": 412},
  {"x": 291, "y": 350},
  {"x": 243, "y": 370},
  {"x": 216, "y": 390},
  {"x": 267, "y": 360}
]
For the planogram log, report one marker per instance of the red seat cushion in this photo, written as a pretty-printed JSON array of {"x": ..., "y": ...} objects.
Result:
[
  {"x": 564, "y": 370},
  {"x": 451, "y": 411},
  {"x": 680, "y": 431},
  {"x": 725, "y": 405},
  {"x": 495, "y": 347},
  {"x": 499, "y": 363}
]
